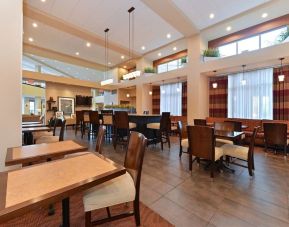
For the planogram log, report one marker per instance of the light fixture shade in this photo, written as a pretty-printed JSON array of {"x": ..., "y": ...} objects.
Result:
[
  {"x": 243, "y": 82},
  {"x": 106, "y": 82},
  {"x": 178, "y": 89},
  {"x": 215, "y": 85},
  {"x": 150, "y": 92},
  {"x": 281, "y": 78},
  {"x": 163, "y": 91},
  {"x": 127, "y": 95}
]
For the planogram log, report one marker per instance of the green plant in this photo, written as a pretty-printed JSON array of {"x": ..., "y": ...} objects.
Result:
[
  {"x": 121, "y": 106},
  {"x": 149, "y": 70},
  {"x": 211, "y": 52},
  {"x": 284, "y": 35},
  {"x": 184, "y": 60}
]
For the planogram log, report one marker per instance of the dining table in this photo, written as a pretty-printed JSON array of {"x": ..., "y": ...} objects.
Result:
[
  {"x": 26, "y": 155},
  {"x": 32, "y": 125},
  {"x": 31, "y": 122},
  {"x": 28, "y": 137},
  {"x": 25, "y": 189},
  {"x": 229, "y": 135}
]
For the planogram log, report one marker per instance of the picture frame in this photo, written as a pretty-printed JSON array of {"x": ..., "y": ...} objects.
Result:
[
  {"x": 59, "y": 114},
  {"x": 66, "y": 105}
]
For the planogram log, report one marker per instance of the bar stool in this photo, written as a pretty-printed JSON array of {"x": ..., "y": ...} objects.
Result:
[
  {"x": 79, "y": 122},
  {"x": 107, "y": 121},
  {"x": 93, "y": 123}
]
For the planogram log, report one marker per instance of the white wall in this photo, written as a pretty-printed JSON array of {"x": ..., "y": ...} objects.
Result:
[{"x": 10, "y": 80}]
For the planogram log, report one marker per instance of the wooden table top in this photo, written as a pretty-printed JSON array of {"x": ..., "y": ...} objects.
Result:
[
  {"x": 24, "y": 189},
  {"x": 32, "y": 125},
  {"x": 227, "y": 134},
  {"x": 212, "y": 125},
  {"x": 31, "y": 122},
  {"x": 36, "y": 129},
  {"x": 38, "y": 152}
]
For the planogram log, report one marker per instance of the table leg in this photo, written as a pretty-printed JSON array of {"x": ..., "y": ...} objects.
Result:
[{"x": 65, "y": 213}]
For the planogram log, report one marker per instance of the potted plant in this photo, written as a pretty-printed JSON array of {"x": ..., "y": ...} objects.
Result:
[
  {"x": 149, "y": 70},
  {"x": 211, "y": 54},
  {"x": 284, "y": 36},
  {"x": 184, "y": 60}
]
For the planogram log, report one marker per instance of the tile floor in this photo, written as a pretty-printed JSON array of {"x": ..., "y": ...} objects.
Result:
[{"x": 194, "y": 199}]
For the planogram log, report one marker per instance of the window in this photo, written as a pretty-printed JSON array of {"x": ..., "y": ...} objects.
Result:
[
  {"x": 171, "y": 65},
  {"x": 228, "y": 50},
  {"x": 255, "y": 98},
  {"x": 249, "y": 44},
  {"x": 162, "y": 68},
  {"x": 171, "y": 98},
  {"x": 271, "y": 38},
  {"x": 31, "y": 106},
  {"x": 256, "y": 42}
]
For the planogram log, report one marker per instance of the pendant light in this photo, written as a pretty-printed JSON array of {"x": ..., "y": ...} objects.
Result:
[
  {"x": 243, "y": 81},
  {"x": 215, "y": 84},
  {"x": 150, "y": 91},
  {"x": 281, "y": 77},
  {"x": 106, "y": 81},
  {"x": 178, "y": 89},
  {"x": 163, "y": 90}
]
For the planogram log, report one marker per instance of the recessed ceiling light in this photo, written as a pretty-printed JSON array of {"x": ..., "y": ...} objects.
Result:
[
  {"x": 34, "y": 24},
  {"x": 77, "y": 53},
  {"x": 43, "y": 0},
  {"x": 212, "y": 16},
  {"x": 159, "y": 54},
  {"x": 175, "y": 48},
  {"x": 229, "y": 28},
  {"x": 109, "y": 63},
  {"x": 122, "y": 57},
  {"x": 264, "y": 15},
  {"x": 30, "y": 39},
  {"x": 169, "y": 36},
  {"x": 88, "y": 44},
  {"x": 143, "y": 47}
]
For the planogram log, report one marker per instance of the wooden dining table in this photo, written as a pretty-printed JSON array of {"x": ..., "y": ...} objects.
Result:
[
  {"x": 229, "y": 135},
  {"x": 31, "y": 122},
  {"x": 28, "y": 138},
  {"x": 32, "y": 125},
  {"x": 28, "y": 188},
  {"x": 26, "y": 155}
]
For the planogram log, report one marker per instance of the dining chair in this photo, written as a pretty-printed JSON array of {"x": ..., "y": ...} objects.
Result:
[
  {"x": 107, "y": 121},
  {"x": 275, "y": 136},
  {"x": 242, "y": 153},
  {"x": 51, "y": 124},
  {"x": 162, "y": 130},
  {"x": 94, "y": 123},
  {"x": 123, "y": 189},
  {"x": 200, "y": 122},
  {"x": 202, "y": 146},
  {"x": 224, "y": 126},
  {"x": 79, "y": 122},
  {"x": 121, "y": 128},
  {"x": 183, "y": 138},
  {"x": 51, "y": 139}
]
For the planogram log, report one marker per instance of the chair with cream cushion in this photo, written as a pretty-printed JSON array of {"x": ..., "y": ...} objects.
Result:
[
  {"x": 51, "y": 139},
  {"x": 51, "y": 123},
  {"x": 202, "y": 146},
  {"x": 183, "y": 138},
  {"x": 224, "y": 126},
  {"x": 242, "y": 153},
  {"x": 119, "y": 190}
]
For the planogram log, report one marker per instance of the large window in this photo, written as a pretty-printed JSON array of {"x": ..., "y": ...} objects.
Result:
[
  {"x": 256, "y": 42},
  {"x": 168, "y": 66},
  {"x": 252, "y": 99},
  {"x": 171, "y": 98}
]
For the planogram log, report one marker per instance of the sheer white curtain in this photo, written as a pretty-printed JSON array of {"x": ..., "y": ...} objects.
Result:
[
  {"x": 171, "y": 98},
  {"x": 254, "y": 99}
]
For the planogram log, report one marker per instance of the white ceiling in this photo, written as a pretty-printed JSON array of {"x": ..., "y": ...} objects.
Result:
[{"x": 198, "y": 11}]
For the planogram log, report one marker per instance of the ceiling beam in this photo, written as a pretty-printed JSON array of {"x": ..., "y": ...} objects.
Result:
[
  {"x": 51, "y": 54},
  {"x": 167, "y": 10},
  {"x": 71, "y": 29}
]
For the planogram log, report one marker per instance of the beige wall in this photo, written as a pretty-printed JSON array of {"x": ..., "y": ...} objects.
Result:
[
  {"x": 55, "y": 90},
  {"x": 10, "y": 81},
  {"x": 122, "y": 96},
  {"x": 28, "y": 90}
]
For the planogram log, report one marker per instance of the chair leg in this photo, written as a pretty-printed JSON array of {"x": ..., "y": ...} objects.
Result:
[
  {"x": 168, "y": 139},
  {"x": 88, "y": 219},
  {"x": 181, "y": 151},
  {"x": 136, "y": 212},
  {"x": 191, "y": 161},
  {"x": 108, "y": 212},
  {"x": 212, "y": 169},
  {"x": 250, "y": 167},
  {"x": 285, "y": 151}
]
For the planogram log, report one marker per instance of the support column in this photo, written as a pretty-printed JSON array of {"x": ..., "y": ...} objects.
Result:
[
  {"x": 143, "y": 99},
  {"x": 11, "y": 23}
]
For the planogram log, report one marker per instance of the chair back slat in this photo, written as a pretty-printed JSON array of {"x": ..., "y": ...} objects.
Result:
[
  {"x": 200, "y": 122},
  {"x": 224, "y": 126},
  {"x": 120, "y": 120},
  {"x": 252, "y": 141},
  {"x": 94, "y": 117},
  {"x": 165, "y": 122},
  {"x": 275, "y": 134}
]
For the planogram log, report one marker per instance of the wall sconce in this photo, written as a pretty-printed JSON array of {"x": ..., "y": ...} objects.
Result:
[
  {"x": 215, "y": 85},
  {"x": 281, "y": 78},
  {"x": 150, "y": 93},
  {"x": 127, "y": 95}
]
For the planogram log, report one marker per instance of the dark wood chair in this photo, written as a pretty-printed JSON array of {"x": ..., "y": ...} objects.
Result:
[
  {"x": 224, "y": 126},
  {"x": 275, "y": 136},
  {"x": 202, "y": 146},
  {"x": 121, "y": 128},
  {"x": 162, "y": 130},
  {"x": 100, "y": 139},
  {"x": 242, "y": 153},
  {"x": 120, "y": 190},
  {"x": 107, "y": 121},
  {"x": 79, "y": 122},
  {"x": 237, "y": 128},
  {"x": 93, "y": 123},
  {"x": 183, "y": 138},
  {"x": 200, "y": 122}
]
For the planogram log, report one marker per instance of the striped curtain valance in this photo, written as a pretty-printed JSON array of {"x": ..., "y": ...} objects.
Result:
[{"x": 218, "y": 97}]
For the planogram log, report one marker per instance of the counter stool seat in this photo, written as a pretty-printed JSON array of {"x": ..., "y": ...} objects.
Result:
[
  {"x": 155, "y": 126},
  {"x": 132, "y": 125}
]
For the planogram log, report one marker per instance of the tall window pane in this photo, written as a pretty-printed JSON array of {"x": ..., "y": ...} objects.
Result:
[
  {"x": 171, "y": 98},
  {"x": 271, "y": 38},
  {"x": 228, "y": 50},
  {"x": 249, "y": 44},
  {"x": 172, "y": 65},
  {"x": 255, "y": 98},
  {"x": 162, "y": 68}
]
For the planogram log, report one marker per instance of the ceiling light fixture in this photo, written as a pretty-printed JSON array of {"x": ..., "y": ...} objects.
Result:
[
  {"x": 77, "y": 53},
  {"x": 212, "y": 16},
  {"x": 122, "y": 57},
  {"x": 169, "y": 36},
  {"x": 88, "y": 44},
  {"x": 215, "y": 84},
  {"x": 30, "y": 39},
  {"x": 243, "y": 81},
  {"x": 229, "y": 28},
  {"x": 34, "y": 24},
  {"x": 127, "y": 95},
  {"x": 150, "y": 91},
  {"x": 163, "y": 90},
  {"x": 264, "y": 15},
  {"x": 106, "y": 80},
  {"x": 281, "y": 76},
  {"x": 143, "y": 47},
  {"x": 159, "y": 54},
  {"x": 175, "y": 48},
  {"x": 43, "y": 0}
]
